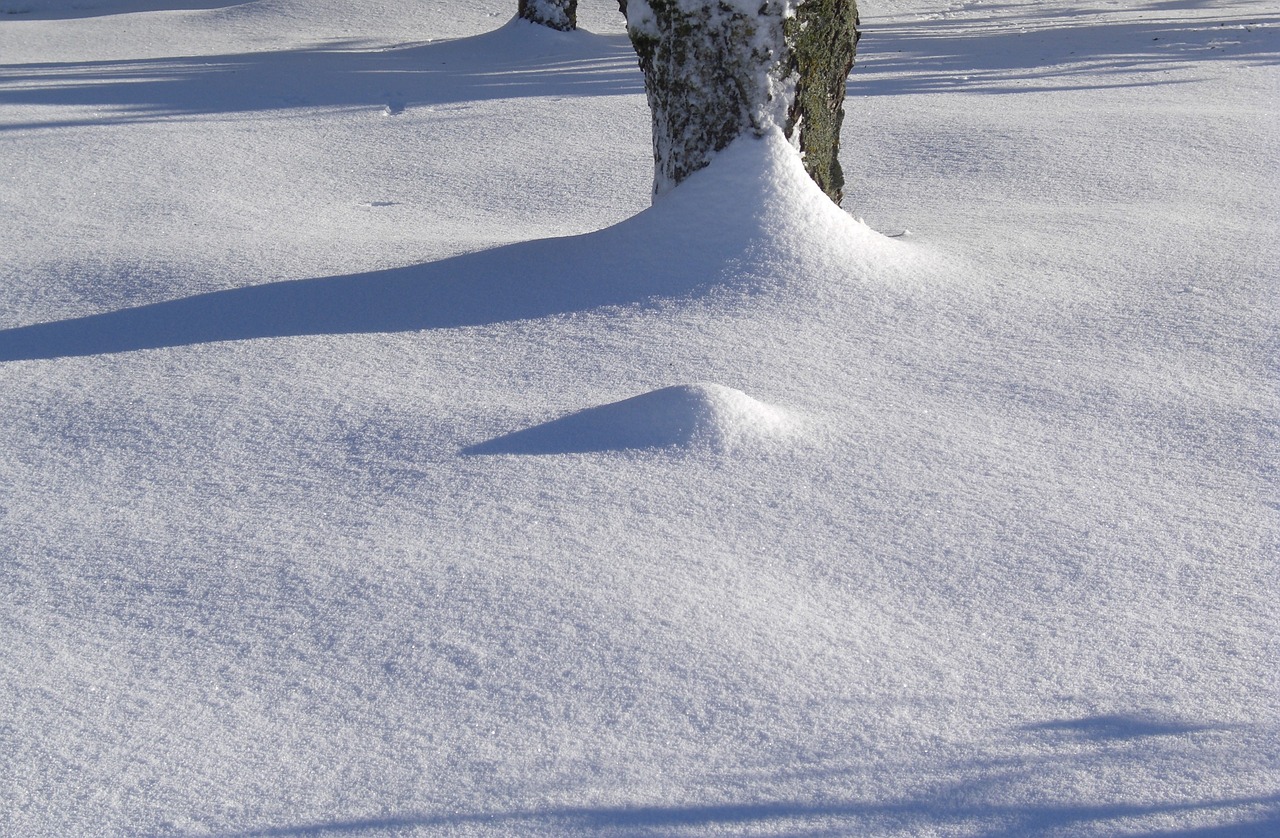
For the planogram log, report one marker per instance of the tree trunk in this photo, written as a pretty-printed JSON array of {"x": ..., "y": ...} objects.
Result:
[
  {"x": 717, "y": 69},
  {"x": 558, "y": 14},
  {"x": 822, "y": 39}
]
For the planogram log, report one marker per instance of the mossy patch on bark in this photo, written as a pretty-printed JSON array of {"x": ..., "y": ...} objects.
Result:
[{"x": 822, "y": 40}]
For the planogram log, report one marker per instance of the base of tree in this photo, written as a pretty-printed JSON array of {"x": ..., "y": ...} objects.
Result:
[{"x": 558, "y": 14}]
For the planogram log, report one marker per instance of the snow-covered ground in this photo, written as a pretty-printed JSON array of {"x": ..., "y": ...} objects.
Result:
[{"x": 375, "y": 460}]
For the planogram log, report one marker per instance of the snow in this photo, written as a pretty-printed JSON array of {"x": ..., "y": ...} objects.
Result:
[
  {"x": 702, "y": 415},
  {"x": 376, "y": 459}
]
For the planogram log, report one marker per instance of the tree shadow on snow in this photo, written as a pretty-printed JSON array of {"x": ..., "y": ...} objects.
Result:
[
  {"x": 1071, "y": 50},
  {"x": 674, "y": 249},
  {"x": 1099, "y": 728},
  {"x": 70, "y": 9},
  {"x": 516, "y": 282},
  {"x": 517, "y": 60},
  {"x": 671, "y": 250},
  {"x": 1032, "y": 789},
  {"x": 827, "y": 818}
]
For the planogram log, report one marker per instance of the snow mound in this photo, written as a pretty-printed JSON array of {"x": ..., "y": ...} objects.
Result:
[
  {"x": 707, "y": 416},
  {"x": 752, "y": 221},
  {"x": 768, "y": 210}
]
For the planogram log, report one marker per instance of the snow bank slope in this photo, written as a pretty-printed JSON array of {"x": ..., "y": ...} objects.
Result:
[{"x": 753, "y": 219}]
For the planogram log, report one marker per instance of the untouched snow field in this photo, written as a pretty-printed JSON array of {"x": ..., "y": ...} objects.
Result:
[{"x": 375, "y": 460}]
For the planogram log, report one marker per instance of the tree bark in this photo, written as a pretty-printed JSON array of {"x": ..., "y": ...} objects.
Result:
[
  {"x": 558, "y": 14},
  {"x": 822, "y": 39},
  {"x": 717, "y": 69}
]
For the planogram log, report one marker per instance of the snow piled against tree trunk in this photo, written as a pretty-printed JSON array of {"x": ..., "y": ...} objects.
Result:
[
  {"x": 713, "y": 71},
  {"x": 558, "y": 14}
]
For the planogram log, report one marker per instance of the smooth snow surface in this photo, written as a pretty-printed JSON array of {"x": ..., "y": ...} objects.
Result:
[{"x": 355, "y": 478}]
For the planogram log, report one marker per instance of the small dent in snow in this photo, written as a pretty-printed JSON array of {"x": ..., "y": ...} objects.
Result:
[{"x": 705, "y": 416}]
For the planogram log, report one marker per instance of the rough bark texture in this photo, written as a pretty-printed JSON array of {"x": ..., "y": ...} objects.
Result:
[
  {"x": 558, "y": 14},
  {"x": 716, "y": 69},
  {"x": 822, "y": 38},
  {"x": 707, "y": 76}
]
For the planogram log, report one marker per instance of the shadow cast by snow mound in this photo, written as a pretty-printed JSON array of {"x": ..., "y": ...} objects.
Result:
[
  {"x": 707, "y": 416},
  {"x": 751, "y": 220}
]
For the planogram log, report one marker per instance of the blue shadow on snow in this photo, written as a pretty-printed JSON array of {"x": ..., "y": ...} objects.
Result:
[
  {"x": 516, "y": 60},
  {"x": 522, "y": 281},
  {"x": 1031, "y": 819},
  {"x": 72, "y": 9},
  {"x": 1055, "y": 49},
  {"x": 1100, "y": 728}
]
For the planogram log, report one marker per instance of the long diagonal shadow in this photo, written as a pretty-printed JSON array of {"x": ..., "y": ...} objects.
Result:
[
  {"x": 704, "y": 234},
  {"x": 516, "y": 282}
]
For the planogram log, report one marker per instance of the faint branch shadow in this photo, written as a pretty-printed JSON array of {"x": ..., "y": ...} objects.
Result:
[
  {"x": 1119, "y": 727},
  {"x": 1267, "y": 826},
  {"x": 985, "y": 795},
  {"x": 1040, "y": 52},
  {"x": 1032, "y": 818},
  {"x": 515, "y": 61}
]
